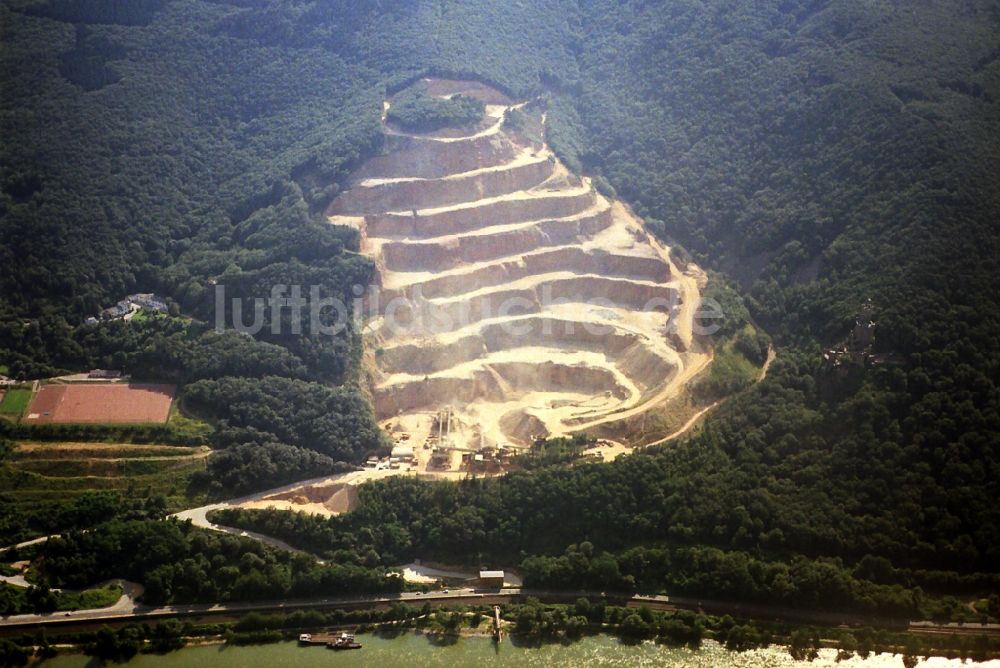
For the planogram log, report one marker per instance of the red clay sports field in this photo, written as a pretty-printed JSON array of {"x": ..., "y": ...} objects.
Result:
[{"x": 103, "y": 402}]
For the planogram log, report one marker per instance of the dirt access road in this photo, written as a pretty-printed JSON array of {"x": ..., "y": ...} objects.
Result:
[{"x": 694, "y": 419}]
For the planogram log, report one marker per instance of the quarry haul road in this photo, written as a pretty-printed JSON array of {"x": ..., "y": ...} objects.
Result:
[
  {"x": 477, "y": 231},
  {"x": 694, "y": 419},
  {"x": 17, "y": 624},
  {"x": 495, "y": 111}
]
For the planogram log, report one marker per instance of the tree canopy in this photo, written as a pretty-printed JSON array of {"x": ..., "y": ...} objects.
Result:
[{"x": 816, "y": 154}]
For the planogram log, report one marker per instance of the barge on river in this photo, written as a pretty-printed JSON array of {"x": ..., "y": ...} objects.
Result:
[{"x": 331, "y": 641}]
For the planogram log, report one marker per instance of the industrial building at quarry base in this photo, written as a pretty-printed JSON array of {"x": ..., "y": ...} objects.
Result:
[{"x": 491, "y": 579}]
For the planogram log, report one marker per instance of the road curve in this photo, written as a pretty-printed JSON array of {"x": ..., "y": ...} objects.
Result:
[{"x": 693, "y": 420}]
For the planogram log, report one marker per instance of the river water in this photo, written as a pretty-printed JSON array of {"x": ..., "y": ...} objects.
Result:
[{"x": 417, "y": 651}]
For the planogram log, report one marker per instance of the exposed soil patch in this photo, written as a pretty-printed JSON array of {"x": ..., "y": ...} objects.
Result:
[
  {"x": 101, "y": 403},
  {"x": 523, "y": 300},
  {"x": 332, "y": 499}
]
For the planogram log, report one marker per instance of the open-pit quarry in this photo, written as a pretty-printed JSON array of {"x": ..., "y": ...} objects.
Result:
[{"x": 511, "y": 294}]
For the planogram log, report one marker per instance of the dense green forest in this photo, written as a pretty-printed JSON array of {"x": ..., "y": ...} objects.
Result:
[
  {"x": 416, "y": 111},
  {"x": 176, "y": 562},
  {"x": 818, "y": 153}
]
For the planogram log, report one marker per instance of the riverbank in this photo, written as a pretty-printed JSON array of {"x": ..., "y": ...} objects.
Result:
[
  {"x": 527, "y": 624},
  {"x": 419, "y": 650}
]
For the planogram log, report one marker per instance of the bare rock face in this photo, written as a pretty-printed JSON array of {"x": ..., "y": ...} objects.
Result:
[{"x": 511, "y": 292}]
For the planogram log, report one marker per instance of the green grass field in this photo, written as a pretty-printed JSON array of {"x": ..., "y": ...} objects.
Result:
[
  {"x": 187, "y": 426},
  {"x": 38, "y": 479},
  {"x": 142, "y": 315},
  {"x": 729, "y": 373},
  {"x": 15, "y": 402},
  {"x": 51, "y": 470},
  {"x": 98, "y": 597}
]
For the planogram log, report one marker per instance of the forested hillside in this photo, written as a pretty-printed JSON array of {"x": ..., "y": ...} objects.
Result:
[
  {"x": 824, "y": 153},
  {"x": 818, "y": 152}
]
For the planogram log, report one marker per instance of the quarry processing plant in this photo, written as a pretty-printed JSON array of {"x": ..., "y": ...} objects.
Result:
[{"x": 511, "y": 291}]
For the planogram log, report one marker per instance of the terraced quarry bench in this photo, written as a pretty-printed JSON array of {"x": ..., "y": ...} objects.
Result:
[{"x": 512, "y": 292}]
